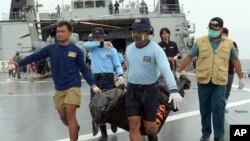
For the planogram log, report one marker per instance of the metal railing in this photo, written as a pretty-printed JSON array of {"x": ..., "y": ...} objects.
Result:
[
  {"x": 14, "y": 16},
  {"x": 150, "y": 9}
]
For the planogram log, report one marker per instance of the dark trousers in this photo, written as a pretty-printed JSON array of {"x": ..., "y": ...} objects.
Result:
[
  {"x": 105, "y": 81},
  {"x": 229, "y": 85},
  {"x": 212, "y": 104},
  {"x": 117, "y": 11},
  {"x": 11, "y": 73},
  {"x": 17, "y": 72}
]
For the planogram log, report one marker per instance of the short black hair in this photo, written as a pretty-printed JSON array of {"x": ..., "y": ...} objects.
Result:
[
  {"x": 164, "y": 29},
  {"x": 66, "y": 23},
  {"x": 225, "y": 30}
]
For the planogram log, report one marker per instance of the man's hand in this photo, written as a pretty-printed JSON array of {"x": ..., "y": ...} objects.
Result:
[
  {"x": 170, "y": 58},
  {"x": 176, "y": 57},
  {"x": 177, "y": 100},
  {"x": 96, "y": 90},
  {"x": 107, "y": 44},
  {"x": 119, "y": 81},
  {"x": 241, "y": 84}
]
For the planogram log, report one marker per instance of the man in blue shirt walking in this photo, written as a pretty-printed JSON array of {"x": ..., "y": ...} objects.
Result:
[
  {"x": 66, "y": 60},
  {"x": 104, "y": 59},
  {"x": 144, "y": 59}
]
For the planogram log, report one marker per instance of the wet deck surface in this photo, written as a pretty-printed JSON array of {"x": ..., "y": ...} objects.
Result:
[{"x": 27, "y": 113}]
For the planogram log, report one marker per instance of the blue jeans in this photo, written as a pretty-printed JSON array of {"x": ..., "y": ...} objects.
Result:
[{"x": 212, "y": 104}]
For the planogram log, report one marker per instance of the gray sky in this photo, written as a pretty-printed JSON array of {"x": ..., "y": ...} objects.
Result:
[{"x": 235, "y": 14}]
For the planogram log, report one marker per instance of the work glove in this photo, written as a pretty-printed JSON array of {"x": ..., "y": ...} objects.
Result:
[
  {"x": 96, "y": 90},
  {"x": 107, "y": 44},
  {"x": 241, "y": 84},
  {"x": 119, "y": 81},
  {"x": 177, "y": 100},
  {"x": 176, "y": 57}
]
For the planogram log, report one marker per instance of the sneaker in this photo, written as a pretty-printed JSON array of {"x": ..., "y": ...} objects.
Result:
[
  {"x": 205, "y": 138},
  {"x": 152, "y": 138},
  {"x": 113, "y": 128}
]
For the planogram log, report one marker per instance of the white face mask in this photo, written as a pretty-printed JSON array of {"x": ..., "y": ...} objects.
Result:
[{"x": 138, "y": 37}]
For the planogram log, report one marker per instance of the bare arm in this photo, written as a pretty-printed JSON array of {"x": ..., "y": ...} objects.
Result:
[
  {"x": 185, "y": 62},
  {"x": 237, "y": 66}
]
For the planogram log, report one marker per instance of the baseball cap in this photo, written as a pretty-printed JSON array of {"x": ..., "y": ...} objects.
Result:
[
  {"x": 141, "y": 24},
  {"x": 98, "y": 31},
  {"x": 215, "y": 23}
]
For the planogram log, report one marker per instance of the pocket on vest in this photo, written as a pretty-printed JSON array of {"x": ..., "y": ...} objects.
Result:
[
  {"x": 222, "y": 74},
  {"x": 201, "y": 72}
]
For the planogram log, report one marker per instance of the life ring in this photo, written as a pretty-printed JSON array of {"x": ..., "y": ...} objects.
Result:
[
  {"x": 3, "y": 66},
  {"x": 3, "y": 63},
  {"x": 3, "y": 69}
]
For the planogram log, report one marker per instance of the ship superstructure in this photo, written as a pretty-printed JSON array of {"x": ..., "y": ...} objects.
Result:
[{"x": 87, "y": 14}]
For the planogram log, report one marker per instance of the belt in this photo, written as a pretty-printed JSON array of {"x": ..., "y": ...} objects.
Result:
[
  {"x": 101, "y": 74},
  {"x": 141, "y": 85}
]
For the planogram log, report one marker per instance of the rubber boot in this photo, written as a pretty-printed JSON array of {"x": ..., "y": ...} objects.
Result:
[
  {"x": 113, "y": 128},
  {"x": 104, "y": 136}
]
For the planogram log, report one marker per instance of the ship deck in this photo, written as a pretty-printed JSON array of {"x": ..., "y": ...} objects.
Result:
[{"x": 27, "y": 113}]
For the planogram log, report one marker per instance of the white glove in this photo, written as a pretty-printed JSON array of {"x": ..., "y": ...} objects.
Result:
[
  {"x": 96, "y": 90},
  {"x": 241, "y": 84},
  {"x": 177, "y": 100},
  {"x": 176, "y": 57},
  {"x": 119, "y": 81},
  {"x": 107, "y": 44}
]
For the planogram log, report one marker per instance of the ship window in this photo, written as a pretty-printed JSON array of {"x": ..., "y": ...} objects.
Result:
[
  {"x": 89, "y": 4},
  {"x": 78, "y": 4},
  {"x": 100, "y": 3}
]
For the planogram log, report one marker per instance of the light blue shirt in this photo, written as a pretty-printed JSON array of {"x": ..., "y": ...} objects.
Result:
[
  {"x": 103, "y": 60},
  {"x": 121, "y": 58},
  {"x": 144, "y": 64}
]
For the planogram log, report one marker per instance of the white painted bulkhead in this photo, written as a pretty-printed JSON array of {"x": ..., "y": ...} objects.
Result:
[{"x": 10, "y": 41}]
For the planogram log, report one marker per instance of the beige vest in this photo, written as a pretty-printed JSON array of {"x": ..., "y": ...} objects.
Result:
[{"x": 213, "y": 64}]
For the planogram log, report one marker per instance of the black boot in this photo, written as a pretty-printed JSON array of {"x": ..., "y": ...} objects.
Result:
[
  {"x": 104, "y": 136},
  {"x": 113, "y": 128},
  {"x": 152, "y": 138}
]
